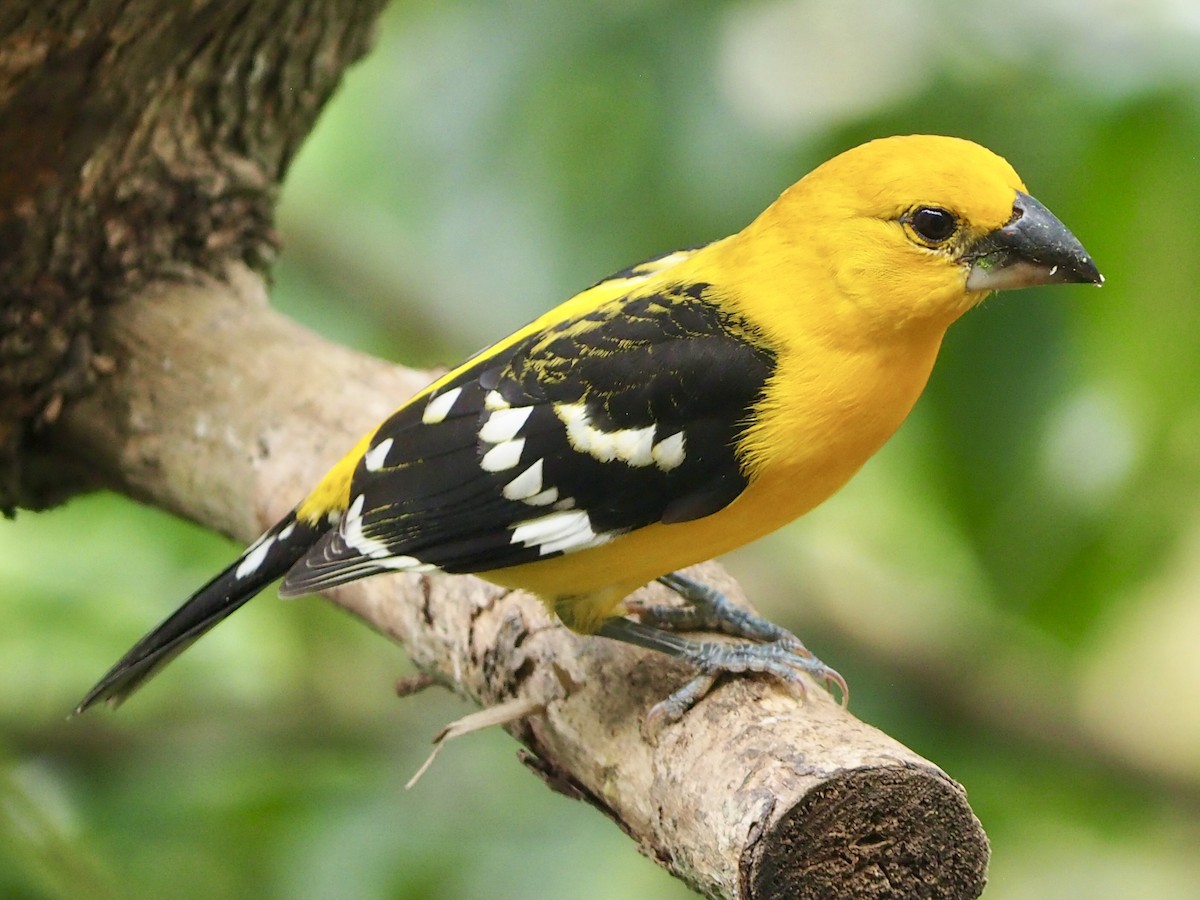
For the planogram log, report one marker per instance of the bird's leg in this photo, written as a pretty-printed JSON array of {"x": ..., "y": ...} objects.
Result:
[
  {"x": 710, "y": 610},
  {"x": 768, "y": 648}
]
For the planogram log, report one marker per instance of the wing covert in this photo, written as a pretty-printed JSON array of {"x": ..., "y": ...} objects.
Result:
[{"x": 626, "y": 415}]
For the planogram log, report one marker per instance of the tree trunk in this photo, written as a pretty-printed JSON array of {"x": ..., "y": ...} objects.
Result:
[
  {"x": 141, "y": 139},
  {"x": 144, "y": 142}
]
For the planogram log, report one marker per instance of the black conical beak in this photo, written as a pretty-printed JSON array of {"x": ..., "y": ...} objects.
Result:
[{"x": 1033, "y": 248}]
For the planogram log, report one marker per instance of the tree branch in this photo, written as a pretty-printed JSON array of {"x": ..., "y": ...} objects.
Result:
[{"x": 225, "y": 412}]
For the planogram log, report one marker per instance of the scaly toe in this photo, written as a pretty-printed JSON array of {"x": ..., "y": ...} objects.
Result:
[{"x": 673, "y": 708}]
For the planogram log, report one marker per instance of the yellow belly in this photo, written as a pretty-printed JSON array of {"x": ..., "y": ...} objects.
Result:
[{"x": 587, "y": 587}]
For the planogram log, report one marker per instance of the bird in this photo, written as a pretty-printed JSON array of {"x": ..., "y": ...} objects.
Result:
[{"x": 671, "y": 412}]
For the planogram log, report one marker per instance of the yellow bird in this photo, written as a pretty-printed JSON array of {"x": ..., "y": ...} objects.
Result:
[{"x": 671, "y": 412}]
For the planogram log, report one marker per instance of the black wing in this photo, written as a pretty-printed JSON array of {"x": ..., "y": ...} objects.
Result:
[{"x": 624, "y": 416}]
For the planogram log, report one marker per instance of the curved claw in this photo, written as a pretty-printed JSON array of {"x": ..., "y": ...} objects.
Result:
[
  {"x": 832, "y": 678},
  {"x": 766, "y": 649},
  {"x": 672, "y": 709},
  {"x": 775, "y": 659}
]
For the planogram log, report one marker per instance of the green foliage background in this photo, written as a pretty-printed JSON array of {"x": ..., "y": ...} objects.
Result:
[{"x": 1012, "y": 587}]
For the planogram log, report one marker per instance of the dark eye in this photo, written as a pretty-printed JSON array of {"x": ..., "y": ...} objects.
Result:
[{"x": 933, "y": 224}]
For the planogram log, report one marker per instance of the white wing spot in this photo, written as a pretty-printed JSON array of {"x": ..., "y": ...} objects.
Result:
[
  {"x": 503, "y": 456},
  {"x": 494, "y": 401},
  {"x": 405, "y": 564},
  {"x": 575, "y": 417},
  {"x": 287, "y": 532},
  {"x": 525, "y": 485},
  {"x": 534, "y": 531},
  {"x": 352, "y": 532},
  {"x": 582, "y": 539},
  {"x": 254, "y": 558},
  {"x": 559, "y": 531},
  {"x": 375, "y": 457},
  {"x": 633, "y": 446},
  {"x": 376, "y": 550},
  {"x": 503, "y": 424},
  {"x": 668, "y": 453},
  {"x": 439, "y": 407},
  {"x": 544, "y": 498}
]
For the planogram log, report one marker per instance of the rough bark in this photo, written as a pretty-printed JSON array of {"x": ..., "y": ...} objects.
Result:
[
  {"x": 143, "y": 144},
  {"x": 140, "y": 138}
]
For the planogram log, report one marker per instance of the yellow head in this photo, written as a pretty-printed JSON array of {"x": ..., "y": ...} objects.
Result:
[{"x": 908, "y": 231}]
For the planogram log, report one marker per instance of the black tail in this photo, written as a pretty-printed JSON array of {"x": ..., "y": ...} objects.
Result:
[{"x": 264, "y": 561}]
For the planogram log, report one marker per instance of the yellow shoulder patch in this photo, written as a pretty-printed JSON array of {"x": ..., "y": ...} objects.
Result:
[{"x": 332, "y": 494}]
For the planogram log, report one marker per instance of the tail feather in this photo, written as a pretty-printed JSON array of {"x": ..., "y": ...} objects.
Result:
[{"x": 264, "y": 561}]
